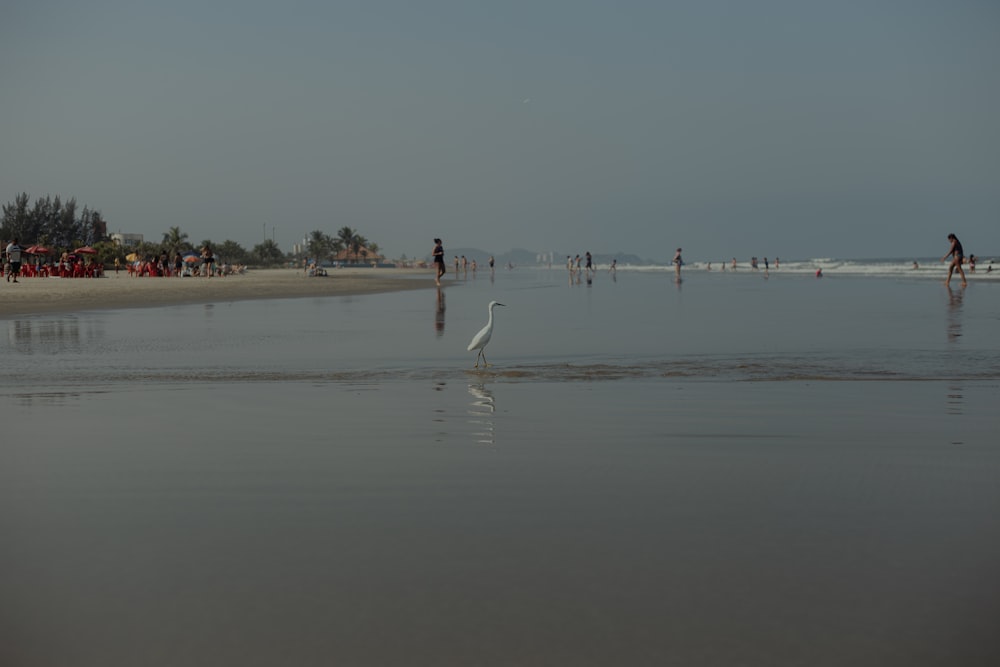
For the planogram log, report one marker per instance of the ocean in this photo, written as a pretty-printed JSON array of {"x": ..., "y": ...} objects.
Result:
[{"x": 738, "y": 468}]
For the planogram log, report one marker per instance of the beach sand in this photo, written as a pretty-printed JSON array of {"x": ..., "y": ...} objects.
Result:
[{"x": 47, "y": 295}]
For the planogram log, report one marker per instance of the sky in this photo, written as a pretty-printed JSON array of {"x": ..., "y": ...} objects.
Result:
[{"x": 794, "y": 128}]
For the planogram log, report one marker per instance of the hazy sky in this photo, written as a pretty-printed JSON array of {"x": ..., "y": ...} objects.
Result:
[{"x": 791, "y": 128}]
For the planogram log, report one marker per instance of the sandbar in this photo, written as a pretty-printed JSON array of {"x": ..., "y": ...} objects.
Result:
[{"x": 119, "y": 291}]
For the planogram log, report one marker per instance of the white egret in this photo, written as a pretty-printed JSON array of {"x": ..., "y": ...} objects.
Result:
[{"x": 480, "y": 340}]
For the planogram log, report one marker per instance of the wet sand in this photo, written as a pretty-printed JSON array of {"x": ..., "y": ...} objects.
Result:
[
  {"x": 48, "y": 295},
  {"x": 730, "y": 473}
]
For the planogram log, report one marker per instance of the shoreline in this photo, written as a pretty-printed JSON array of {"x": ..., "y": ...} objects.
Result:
[{"x": 33, "y": 296}]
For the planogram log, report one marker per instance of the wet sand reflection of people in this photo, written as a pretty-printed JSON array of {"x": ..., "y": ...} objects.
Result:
[
  {"x": 439, "y": 313},
  {"x": 956, "y": 394},
  {"x": 954, "y": 314}
]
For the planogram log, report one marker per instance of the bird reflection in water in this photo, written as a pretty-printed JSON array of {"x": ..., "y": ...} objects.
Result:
[
  {"x": 439, "y": 314},
  {"x": 481, "y": 414}
]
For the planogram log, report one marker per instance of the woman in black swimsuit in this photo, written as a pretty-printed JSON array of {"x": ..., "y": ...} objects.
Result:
[
  {"x": 957, "y": 255},
  {"x": 438, "y": 261}
]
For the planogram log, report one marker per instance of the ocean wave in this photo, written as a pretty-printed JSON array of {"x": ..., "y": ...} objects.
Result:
[{"x": 906, "y": 268}]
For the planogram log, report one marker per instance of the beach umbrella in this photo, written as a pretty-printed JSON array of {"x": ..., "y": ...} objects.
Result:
[
  {"x": 85, "y": 250},
  {"x": 132, "y": 257},
  {"x": 192, "y": 258},
  {"x": 37, "y": 250}
]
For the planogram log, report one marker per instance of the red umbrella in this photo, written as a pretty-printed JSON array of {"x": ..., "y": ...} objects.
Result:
[
  {"x": 38, "y": 250},
  {"x": 85, "y": 250}
]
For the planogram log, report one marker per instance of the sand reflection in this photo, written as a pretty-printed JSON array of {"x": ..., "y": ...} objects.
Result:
[
  {"x": 955, "y": 396},
  {"x": 439, "y": 314}
]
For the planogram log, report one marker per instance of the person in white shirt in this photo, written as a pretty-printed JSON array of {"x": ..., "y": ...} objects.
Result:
[{"x": 14, "y": 257}]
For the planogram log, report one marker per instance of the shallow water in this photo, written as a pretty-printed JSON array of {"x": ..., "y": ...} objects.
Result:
[
  {"x": 639, "y": 324},
  {"x": 735, "y": 471}
]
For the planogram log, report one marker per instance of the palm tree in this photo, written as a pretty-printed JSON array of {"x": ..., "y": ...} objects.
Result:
[
  {"x": 319, "y": 245},
  {"x": 349, "y": 240},
  {"x": 174, "y": 240}
]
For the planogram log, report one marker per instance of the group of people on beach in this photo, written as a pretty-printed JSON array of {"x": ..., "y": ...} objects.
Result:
[
  {"x": 462, "y": 264},
  {"x": 33, "y": 262},
  {"x": 203, "y": 264},
  {"x": 754, "y": 264},
  {"x": 573, "y": 264}
]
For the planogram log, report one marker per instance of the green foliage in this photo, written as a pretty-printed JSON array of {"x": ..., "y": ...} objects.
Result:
[
  {"x": 321, "y": 246},
  {"x": 62, "y": 226},
  {"x": 231, "y": 252},
  {"x": 267, "y": 253},
  {"x": 53, "y": 222},
  {"x": 175, "y": 241},
  {"x": 358, "y": 247}
]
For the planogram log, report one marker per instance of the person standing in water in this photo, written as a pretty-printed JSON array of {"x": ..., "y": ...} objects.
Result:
[
  {"x": 438, "y": 261},
  {"x": 957, "y": 256},
  {"x": 678, "y": 261}
]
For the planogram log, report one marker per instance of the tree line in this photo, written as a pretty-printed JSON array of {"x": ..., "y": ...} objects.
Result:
[
  {"x": 52, "y": 221},
  {"x": 63, "y": 226},
  {"x": 322, "y": 246}
]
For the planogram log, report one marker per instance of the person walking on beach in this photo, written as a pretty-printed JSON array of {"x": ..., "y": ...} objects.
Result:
[
  {"x": 14, "y": 257},
  {"x": 207, "y": 260},
  {"x": 957, "y": 256},
  {"x": 438, "y": 261},
  {"x": 677, "y": 263}
]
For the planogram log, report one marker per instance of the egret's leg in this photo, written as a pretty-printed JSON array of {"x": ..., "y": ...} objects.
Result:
[{"x": 485, "y": 363}]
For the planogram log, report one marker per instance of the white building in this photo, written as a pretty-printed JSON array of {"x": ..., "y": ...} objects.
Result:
[{"x": 126, "y": 240}]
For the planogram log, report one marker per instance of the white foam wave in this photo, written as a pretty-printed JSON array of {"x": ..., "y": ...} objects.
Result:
[{"x": 919, "y": 268}]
